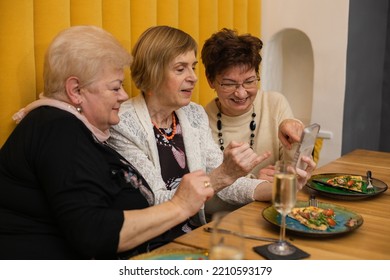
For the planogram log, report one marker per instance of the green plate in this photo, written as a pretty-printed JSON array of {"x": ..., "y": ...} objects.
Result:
[
  {"x": 339, "y": 193},
  {"x": 342, "y": 217},
  {"x": 174, "y": 254}
]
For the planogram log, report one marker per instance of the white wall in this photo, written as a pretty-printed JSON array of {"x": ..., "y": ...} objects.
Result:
[{"x": 325, "y": 23}]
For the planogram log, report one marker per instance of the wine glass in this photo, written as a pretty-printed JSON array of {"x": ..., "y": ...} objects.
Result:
[
  {"x": 226, "y": 240},
  {"x": 283, "y": 198}
]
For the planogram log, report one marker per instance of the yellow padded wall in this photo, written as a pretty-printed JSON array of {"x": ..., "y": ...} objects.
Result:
[
  {"x": 240, "y": 19},
  {"x": 253, "y": 17},
  {"x": 86, "y": 12},
  {"x": 28, "y": 26},
  {"x": 189, "y": 22},
  {"x": 208, "y": 24},
  {"x": 17, "y": 64},
  {"x": 143, "y": 14},
  {"x": 50, "y": 17},
  {"x": 225, "y": 14},
  {"x": 168, "y": 12},
  {"x": 116, "y": 19},
  {"x": 189, "y": 17}
]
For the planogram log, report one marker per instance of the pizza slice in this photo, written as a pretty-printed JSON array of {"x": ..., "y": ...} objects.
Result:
[
  {"x": 314, "y": 217},
  {"x": 350, "y": 182}
]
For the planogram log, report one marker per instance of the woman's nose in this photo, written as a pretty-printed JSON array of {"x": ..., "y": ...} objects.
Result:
[
  {"x": 192, "y": 76},
  {"x": 123, "y": 96},
  {"x": 240, "y": 92}
]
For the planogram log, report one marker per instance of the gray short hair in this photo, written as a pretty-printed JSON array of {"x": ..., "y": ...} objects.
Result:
[{"x": 81, "y": 51}]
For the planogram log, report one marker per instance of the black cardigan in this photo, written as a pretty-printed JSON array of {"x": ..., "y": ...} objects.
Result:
[{"x": 62, "y": 193}]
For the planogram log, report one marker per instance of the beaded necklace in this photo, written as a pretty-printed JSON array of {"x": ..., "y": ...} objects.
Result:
[
  {"x": 252, "y": 127},
  {"x": 163, "y": 133}
]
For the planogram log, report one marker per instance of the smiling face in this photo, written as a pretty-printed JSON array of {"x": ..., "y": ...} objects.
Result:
[
  {"x": 240, "y": 100},
  {"x": 102, "y": 99},
  {"x": 178, "y": 85}
]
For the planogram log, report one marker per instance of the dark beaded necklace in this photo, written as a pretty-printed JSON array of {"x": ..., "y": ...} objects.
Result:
[{"x": 252, "y": 127}]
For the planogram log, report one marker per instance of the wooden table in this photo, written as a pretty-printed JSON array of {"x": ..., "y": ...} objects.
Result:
[{"x": 370, "y": 241}]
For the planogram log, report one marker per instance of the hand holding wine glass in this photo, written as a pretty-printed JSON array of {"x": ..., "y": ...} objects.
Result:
[{"x": 283, "y": 199}]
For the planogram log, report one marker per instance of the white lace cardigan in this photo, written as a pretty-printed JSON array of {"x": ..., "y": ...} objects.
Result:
[{"x": 134, "y": 138}]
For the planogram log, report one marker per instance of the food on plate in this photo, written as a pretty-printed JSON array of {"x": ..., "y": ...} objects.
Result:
[
  {"x": 350, "y": 182},
  {"x": 314, "y": 217},
  {"x": 351, "y": 223}
]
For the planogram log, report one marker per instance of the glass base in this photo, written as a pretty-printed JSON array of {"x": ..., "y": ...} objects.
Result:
[{"x": 281, "y": 248}]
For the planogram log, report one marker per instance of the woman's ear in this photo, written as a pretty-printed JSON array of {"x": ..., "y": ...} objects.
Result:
[{"x": 73, "y": 90}]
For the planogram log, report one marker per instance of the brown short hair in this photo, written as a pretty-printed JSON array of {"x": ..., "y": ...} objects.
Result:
[{"x": 226, "y": 48}]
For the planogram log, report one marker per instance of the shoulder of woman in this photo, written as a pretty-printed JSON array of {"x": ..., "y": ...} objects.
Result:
[
  {"x": 272, "y": 94},
  {"x": 54, "y": 125},
  {"x": 211, "y": 106},
  {"x": 56, "y": 118},
  {"x": 272, "y": 97}
]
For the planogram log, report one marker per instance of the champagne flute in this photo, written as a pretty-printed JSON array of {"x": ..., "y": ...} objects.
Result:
[
  {"x": 283, "y": 199},
  {"x": 226, "y": 240}
]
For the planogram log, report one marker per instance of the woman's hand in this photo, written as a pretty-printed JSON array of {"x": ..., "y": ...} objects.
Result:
[
  {"x": 290, "y": 131},
  {"x": 194, "y": 189},
  {"x": 239, "y": 159},
  {"x": 267, "y": 173},
  {"x": 304, "y": 175},
  {"x": 263, "y": 191}
]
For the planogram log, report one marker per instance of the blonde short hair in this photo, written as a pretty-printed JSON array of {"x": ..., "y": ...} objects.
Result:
[
  {"x": 81, "y": 51},
  {"x": 155, "y": 49}
]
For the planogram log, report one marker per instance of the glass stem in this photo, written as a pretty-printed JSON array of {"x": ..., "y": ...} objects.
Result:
[{"x": 283, "y": 229}]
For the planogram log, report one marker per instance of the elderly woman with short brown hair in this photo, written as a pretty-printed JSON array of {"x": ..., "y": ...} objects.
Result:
[{"x": 243, "y": 112}]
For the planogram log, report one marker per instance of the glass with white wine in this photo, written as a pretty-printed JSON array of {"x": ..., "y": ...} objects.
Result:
[
  {"x": 226, "y": 240},
  {"x": 284, "y": 192}
]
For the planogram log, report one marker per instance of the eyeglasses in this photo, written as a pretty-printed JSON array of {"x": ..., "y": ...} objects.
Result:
[{"x": 230, "y": 87}]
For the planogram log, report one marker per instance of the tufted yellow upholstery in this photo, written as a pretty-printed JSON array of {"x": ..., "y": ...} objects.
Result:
[{"x": 28, "y": 26}]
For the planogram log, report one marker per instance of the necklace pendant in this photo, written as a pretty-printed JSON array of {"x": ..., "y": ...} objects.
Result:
[
  {"x": 252, "y": 127},
  {"x": 219, "y": 124}
]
